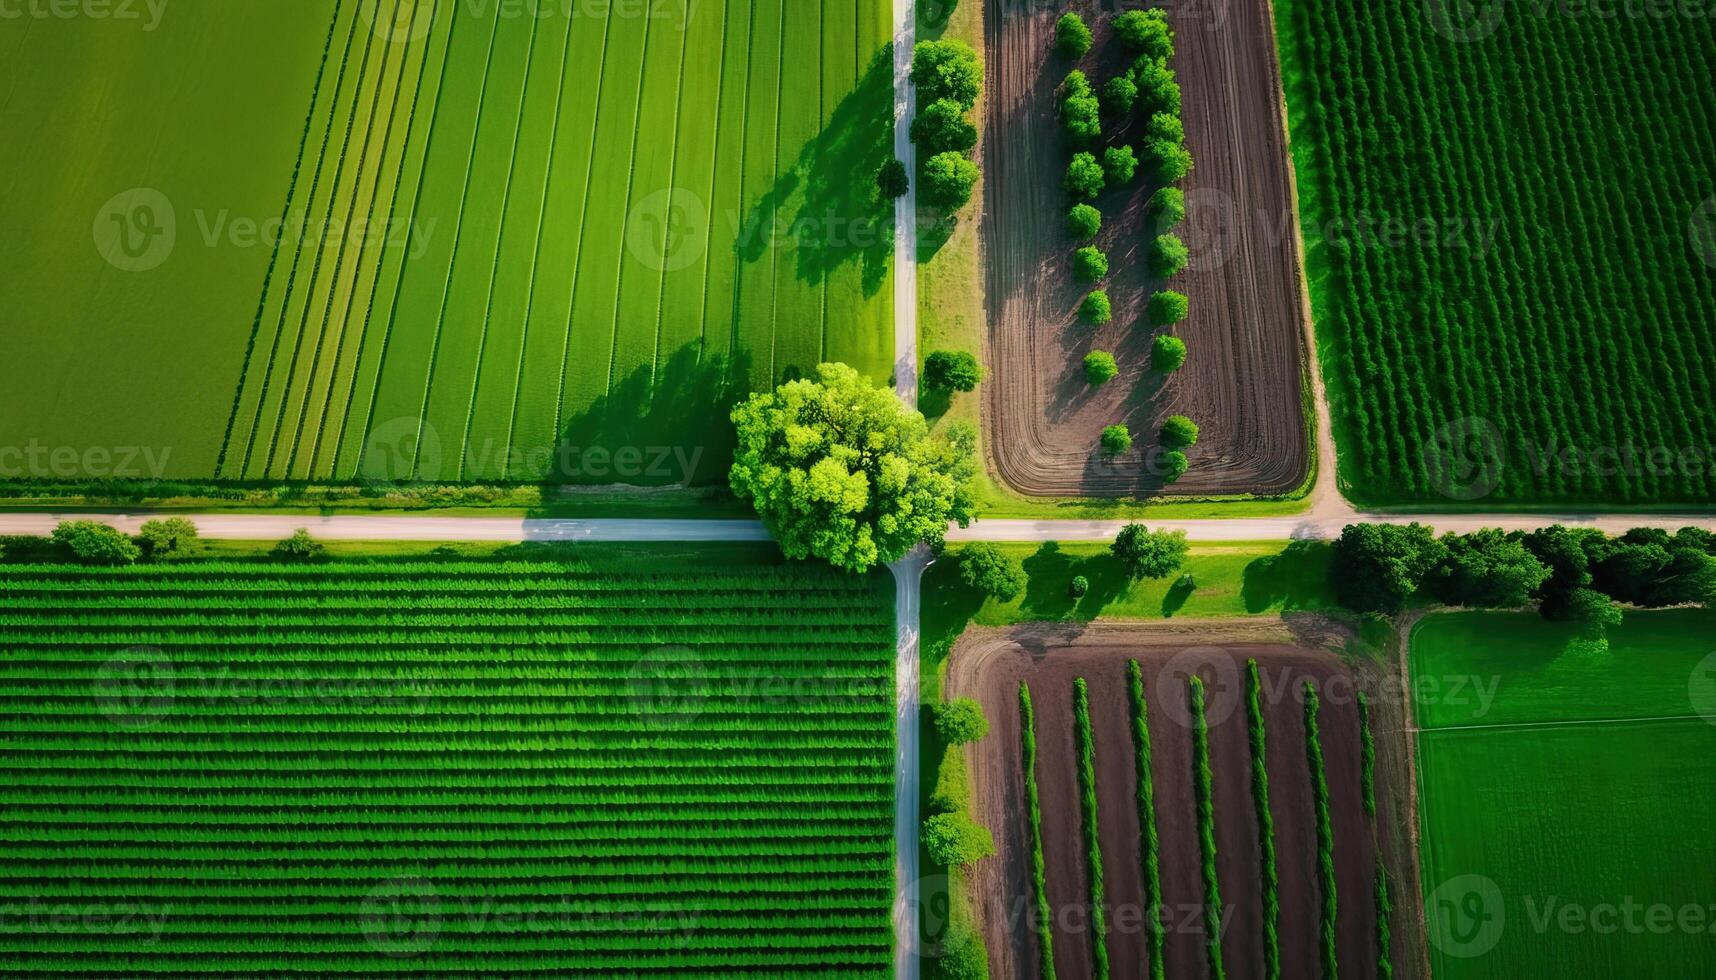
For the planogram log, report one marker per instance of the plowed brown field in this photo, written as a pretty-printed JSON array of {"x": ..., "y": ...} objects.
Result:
[{"x": 1243, "y": 381}]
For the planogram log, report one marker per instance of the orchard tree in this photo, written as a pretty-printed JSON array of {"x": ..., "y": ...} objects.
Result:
[
  {"x": 1158, "y": 89},
  {"x": 1084, "y": 221},
  {"x": 1090, "y": 264},
  {"x": 1168, "y": 255},
  {"x": 1119, "y": 95},
  {"x": 1149, "y": 554},
  {"x": 960, "y": 721},
  {"x": 948, "y": 180},
  {"x": 954, "y": 840},
  {"x": 1168, "y": 307},
  {"x": 1116, "y": 440},
  {"x": 948, "y": 370},
  {"x": 1179, "y": 432},
  {"x": 1172, "y": 465},
  {"x": 1167, "y": 207},
  {"x": 991, "y": 571},
  {"x": 947, "y": 70},
  {"x": 942, "y": 127},
  {"x": 840, "y": 469},
  {"x": 1167, "y": 353},
  {"x": 1170, "y": 162},
  {"x": 1085, "y": 177},
  {"x": 1072, "y": 35},
  {"x": 1096, "y": 309},
  {"x": 1081, "y": 110},
  {"x": 1119, "y": 164},
  {"x": 1099, "y": 367},
  {"x": 96, "y": 543},
  {"x": 1165, "y": 127},
  {"x": 892, "y": 180},
  {"x": 1145, "y": 32}
]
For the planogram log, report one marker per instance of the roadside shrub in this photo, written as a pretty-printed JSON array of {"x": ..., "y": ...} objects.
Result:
[
  {"x": 1079, "y": 587},
  {"x": 947, "y": 70},
  {"x": 1116, "y": 440},
  {"x": 1367, "y": 756},
  {"x": 1173, "y": 465},
  {"x": 1325, "y": 834},
  {"x": 1085, "y": 177},
  {"x": 1034, "y": 811},
  {"x": 1168, "y": 255},
  {"x": 1072, "y": 35},
  {"x": 1084, "y": 221},
  {"x": 947, "y": 181},
  {"x": 1096, "y": 309},
  {"x": 1119, "y": 164},
  {"x": 950, "y": 370},
  {"x": 172, "y": 537},
  {"x": 1119, "y": 95},
  {"x": 960, "y": 721},
  {"x": 1090, "y": 264},
  {"x": 954, "y": 840},
  {"x": 1081, "y": 110},
  {"x": 95, "y": 543},
  {"x": 1167, "y": 352},
  {"x": 1150, "y": 841},
  {"x": 952, "y": 791},
  {"x": 1179, "y": 432},
  {"x": 892, "y": 180},
  {"x": 1099, "y": 367},
  {"x": 300, "y": 547},
  {"x": 1167, "y": 207},
  {"x": 963, "y": 957},
  {"x": 1149, "y": 554},
  {"x": 1270, "y": 875},
  {"x": 1203, "y": 795},
  {"x": 1168, "y": 307},
  {"x": 1145, "y": 32},
  {"x": 942, "y": 127},
  {"x": 1092, "y": 842},
  {"x": 989, "y": 570}
]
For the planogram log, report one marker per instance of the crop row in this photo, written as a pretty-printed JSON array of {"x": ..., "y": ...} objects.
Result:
[
  {"x": 1150, "y": 841},
  {"x": 1268, "y": 874},
  {"x": 1034, "y": 814},
  {"x": 1325, "y": 835},
  {"x": 1092, "y": 844},
  {"x": 1203, "y": 798}
]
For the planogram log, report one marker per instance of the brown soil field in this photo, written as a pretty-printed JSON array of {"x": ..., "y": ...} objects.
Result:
[
  {"x": 989, "y": 666},
  {"x": 1243, "y": 382}
]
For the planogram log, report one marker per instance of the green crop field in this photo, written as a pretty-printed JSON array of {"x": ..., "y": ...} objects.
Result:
[
  {"x": 575, "y": 768},
  {"x": 1565, "y": 796},
  {"x": 437, "y": 240},
  {"x": 1510, "y": 221}
]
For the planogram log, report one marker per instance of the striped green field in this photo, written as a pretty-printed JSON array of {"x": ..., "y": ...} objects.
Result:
[
  {"x": 514, "y": 241},
  {"x": 569, "y": 768}
]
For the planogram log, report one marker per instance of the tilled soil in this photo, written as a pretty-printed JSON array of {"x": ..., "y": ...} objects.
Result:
[
  {"x": 1243, "y": 380},
  {"x": 989, "y": 665}
]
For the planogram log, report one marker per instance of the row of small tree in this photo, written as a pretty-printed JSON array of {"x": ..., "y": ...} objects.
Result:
[
  {"x": 949, "y": 79},
  {"x": 1142, "y": 554},
  {"x": 161, "y": 539}
]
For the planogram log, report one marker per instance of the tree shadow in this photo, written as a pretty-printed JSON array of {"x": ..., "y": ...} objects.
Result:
[
  {"x": 825, "y": 207},
  {"x": 1108, "y": 582},
  {"x": 1048, "y": 590},
  {"x": 1297, "y": 578},
  {"x": 659, "y": 426},
  {"x": 1177, "y": 594}
]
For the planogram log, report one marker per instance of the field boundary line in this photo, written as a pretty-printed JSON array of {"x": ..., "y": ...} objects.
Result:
[
  {"x": 500, "y": 238},
  {"x": 274, "y": 255},
  {"x": 536, "y": 256},
  {"x": 672, "y": 176},
  {"x": 714, "y": 179},
  {"x": 381, "y": 260},
  {"x": 631, "y": 185},
  {"x": 1564, "y": 723},
  {"x": 458, "y": 228}
]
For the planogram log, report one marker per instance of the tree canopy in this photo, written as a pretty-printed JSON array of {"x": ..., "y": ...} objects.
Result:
[
  {"x": 1144, "y": 553},
  {"x": 840, "y": 469},
  {"x": 947, "y": 70},
  {"x": 991, "y": 571},
  {"x": 952, "y": 370},
  {"x": 960, "y": 720}
]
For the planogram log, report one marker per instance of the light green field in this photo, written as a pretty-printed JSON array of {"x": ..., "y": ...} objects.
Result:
[
  {"x": 510, "y": 229},
  {"x": 1565, "y": 797}
]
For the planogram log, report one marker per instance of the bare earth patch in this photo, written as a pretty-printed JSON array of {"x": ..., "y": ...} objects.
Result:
[{"x": 1243, "y": 382}]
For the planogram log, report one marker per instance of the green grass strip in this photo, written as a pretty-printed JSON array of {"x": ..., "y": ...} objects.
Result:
[
  {"x": 1325, "y": 835},
  {"x": 1271, "y": 896},
  {"x": 1203, "y": 794},
  {"x": 1092, "y": 845},
  {"x": 1033, "y": 808},
  {"x": 1150, "y": 840}
]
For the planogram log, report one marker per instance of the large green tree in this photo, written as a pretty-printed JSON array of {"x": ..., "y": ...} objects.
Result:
[
  {"x": 840, "y": 469},
  {"x": 947, "y": 70}
]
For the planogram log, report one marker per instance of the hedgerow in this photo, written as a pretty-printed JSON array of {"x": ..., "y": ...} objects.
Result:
[
  {"x": 1034, "y": 813},
  {"x": 1150, "y": 841},
  {"x": 1203, "y": 795},
  {"x": 1325, "y": 835},
  {"x": 1092, "y": 844},
  {"x": 1367, "y": 755},
  {"x": 1269, "y": 875},
  {"x": 1384, "y": 917}
]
